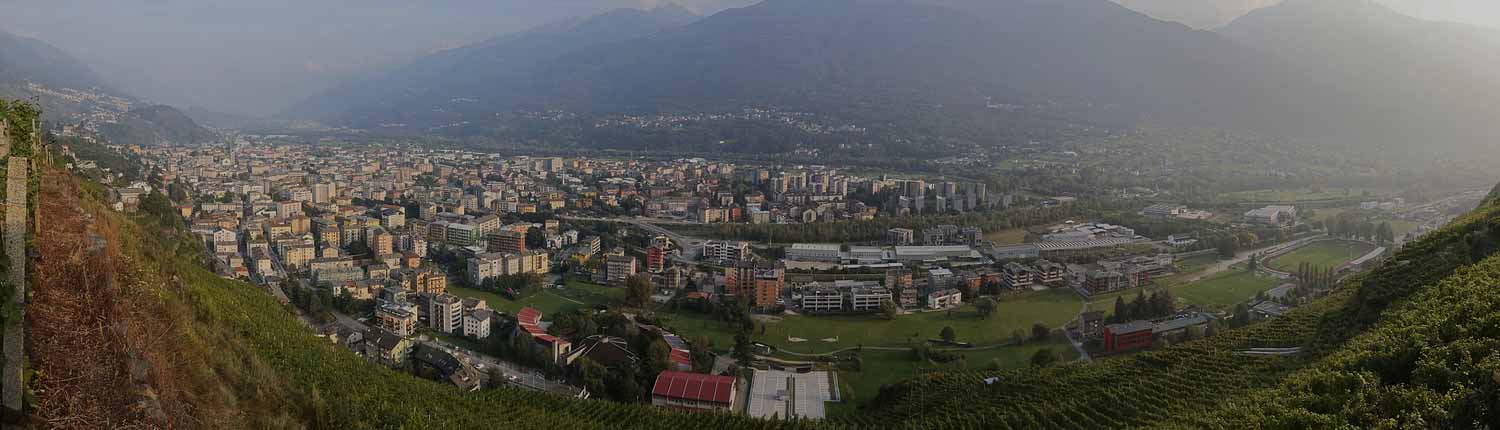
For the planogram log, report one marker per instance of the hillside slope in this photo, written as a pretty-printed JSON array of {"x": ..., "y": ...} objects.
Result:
[
  {"x": 158, "y": 124},
  {"x": 1436, "y": 78}
]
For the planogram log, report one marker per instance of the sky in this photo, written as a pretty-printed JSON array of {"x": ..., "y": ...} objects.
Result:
[{"x": 258, "y": 57}]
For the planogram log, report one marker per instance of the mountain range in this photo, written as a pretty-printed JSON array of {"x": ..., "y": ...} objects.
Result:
[
  {"x": 1200, "y": 14},
  {"x": 1345, "y": 69},
  {"x": 69, "y": 91},
  {"x": 1350, "y": 70}
]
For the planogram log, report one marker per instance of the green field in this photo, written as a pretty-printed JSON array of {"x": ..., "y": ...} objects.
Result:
[
  {"x": 1331, "y": 253},
  {"x": 1225, "y": 289},
  {"x": 1052, "y": 307},
  {"x": 575, "y": 294},
  {"x": 1271, "y": 195},
  {"x": 889, "y": 367},
  {"x": 1007, "y": 237}
]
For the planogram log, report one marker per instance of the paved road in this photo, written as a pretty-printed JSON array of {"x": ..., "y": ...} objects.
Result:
[{"x": 691, "y": 246}]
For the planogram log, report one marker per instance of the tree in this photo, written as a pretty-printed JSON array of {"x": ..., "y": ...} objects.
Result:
[
  {"x": 1254, "y": 262},
  {"x": 592, "y": 375},
  {"x": 1040, "y": 331},
  {"x": 536, "y": 238},
  {"x": 1018, "y": 336},
  {"x": 948, "y": 335},
  {"x": 658, "y": 357},
  {"x": 702, "y": 355},
  {"x": 742, "y": 349},
  {"x": 638, "y": 290},
  {"x": 889, "y": 310},
  {"x": 985, "y": 306},
  {"x": 1121, "y": 311},
  {"x": 1045, "y": 357},
  {"x": 622, "y": 385}
]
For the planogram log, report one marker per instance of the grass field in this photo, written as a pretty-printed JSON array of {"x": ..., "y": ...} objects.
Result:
[
  {"x": 1226, "y": 289},
  {"x": 889, "y": 367},
  {"x": 1052, "y": 307},
  {"x": 1332, "y": 253},
  {"x": 1270, "y": 195},
  {"x": 573, "y": 295},
  {"x": 1007, "y": 237}
]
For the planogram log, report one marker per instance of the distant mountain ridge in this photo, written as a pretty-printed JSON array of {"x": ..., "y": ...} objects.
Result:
[
  {"x": 1437, "y": 80},
  {"x": 879, "y": 61},
  {"x": 29, "y": 60},
  {"x": 1199, "y": 14},
  {"x": 156, "y": 125},
  {"x": 457, "y": 73}
]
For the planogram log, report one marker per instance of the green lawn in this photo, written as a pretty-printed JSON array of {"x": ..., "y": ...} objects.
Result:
[
  {"x": 1331, "y": 253},
  {"x": 1225, "y": 289},
  {"x": 889, "y": 367},
  {"x": 1052, "y": 307},
  {"x": 575, "y": 294}
]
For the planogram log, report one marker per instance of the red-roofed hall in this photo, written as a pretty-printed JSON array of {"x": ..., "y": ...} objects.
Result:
[{"x": 694, "y": 391}]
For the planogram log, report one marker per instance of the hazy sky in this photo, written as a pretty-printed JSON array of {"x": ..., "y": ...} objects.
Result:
[{"x": 260, "y": 56}]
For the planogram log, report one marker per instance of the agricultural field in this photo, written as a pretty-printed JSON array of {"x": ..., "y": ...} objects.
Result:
[{"x": 1332, "y": 253}]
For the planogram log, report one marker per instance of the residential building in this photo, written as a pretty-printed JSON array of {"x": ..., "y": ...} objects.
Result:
[
  {"x": 397, "y": 318},
  {"x": 939, "y": 279},
  {"x": 900, "y": 236},
  {"x": 507, "y": 241},
  {"x": 619, "y": 268},
  {"x": 822, "y": 299},
  {"x": 867, "y": 298},
  {"x": 725, "y": 251},
  {"x": 940, "y": 299},
  {"x": 387, "y": 348},
  {"x": 477, "y": 323},
  {"x": 445, "y": 313},
  {"x": 656, "y": 259},
  {"x": 1018, "y": 276}
]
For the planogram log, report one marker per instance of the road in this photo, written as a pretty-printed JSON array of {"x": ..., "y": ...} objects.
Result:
[{"x": 691, "y": 247}]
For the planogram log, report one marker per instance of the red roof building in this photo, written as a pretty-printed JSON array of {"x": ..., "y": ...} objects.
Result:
[{"x": 693, "y": 391}]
